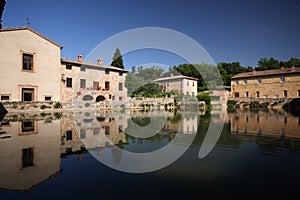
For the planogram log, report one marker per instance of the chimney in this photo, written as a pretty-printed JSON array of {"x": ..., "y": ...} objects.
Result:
[
  {"x": 293, "y": 68},
  {"x": 282, "y": 68},
  {"x": 99, "y": 61},
  {"x": 79, "y": 58}
]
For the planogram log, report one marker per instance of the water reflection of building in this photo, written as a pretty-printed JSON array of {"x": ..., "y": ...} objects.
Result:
[
  {"x": 32, "y": 147},
  {"x": 29, "y": 153},
  {"x": 185, "y": 123},
  {"x": 272, "y": 123}
]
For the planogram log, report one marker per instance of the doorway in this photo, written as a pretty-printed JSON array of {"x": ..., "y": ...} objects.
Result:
[{"x": 27, "y": 94}]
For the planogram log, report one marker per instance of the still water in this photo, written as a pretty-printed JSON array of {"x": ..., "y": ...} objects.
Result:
[{"x": 75, "y": 155}]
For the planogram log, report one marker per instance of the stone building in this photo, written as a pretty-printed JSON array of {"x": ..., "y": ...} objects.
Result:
[
  {"x": 29, "y": 66},
  {"x": 185, "y": 84},
  {"x": 92, "y": 81},
  {"x": 280, "y": 83},
  {"x": 31, "y": 70}
]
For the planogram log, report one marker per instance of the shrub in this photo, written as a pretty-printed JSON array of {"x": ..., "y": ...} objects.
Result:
[
  {"x": 204, "y": 97},
  {"x": 57, "y": 105},
  {"x": 254, "y": 104},
  {"x": 57, "y": 115},
  {"x": 43, "y": 106}
]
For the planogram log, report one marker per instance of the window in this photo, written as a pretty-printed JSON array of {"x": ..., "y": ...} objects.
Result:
[
  {"x": 193, "y": 94},
  {"x": 285, "y": 94},
  {"x": 193, "y": 83},
  {"x": 236, "y": 82},
  {"x": 48, "y": 98},
  {"x": 95, "y": 85},
  {"x": 282, "y": 79},
  {"x": 96, "y": 131},
  {"x": 259, "y": 81},
  {"x": 27, "y": 62},
  {"x": 120, "y": 86},
  {"x": 106, "y": 85},
  {"x": 69, "y": 66},
  {"x": 27, "y": 157},
  {"x": 285, "y": 119},
  {"x": 247, "y": 94},
  {"x": 83, "y": 69},
  {"x": 69, "y": 82},
  {"x": 109, "y": 96},
  {"x": 106, "y": 130},
  {"x": 69, "y": 135},
  {"x": 82, "y": 133},
  {"x": 187, "y": 93},
  {"x": 120, "y": 73},
  {"x": 120, "y": 98},
  {"x": 4, "y": 97},
  {"x": 28, "y": 126},
  {"x": 188, "y": 83},
  {"x": 106, "y": 71},
  {"x": 245, "y": 81},
  {"x": 120, "y": 128},
  {"x": 113, "y": 98},
  {"x": 257, "y": 94},
  {"x": 27, "y": 94},
  {"x": 82, "y": 83},
  {"x": 298, "y": 93}
]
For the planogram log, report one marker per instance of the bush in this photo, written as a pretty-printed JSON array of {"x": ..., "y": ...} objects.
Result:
[
  {"x": 254, "y": 104},
  {"x": 57, "y": 105},
  {"x": 43, "y": 106},
  {"x": 57, "y": 115},
  {"x": 204, "y": 97},
  {"x": 232, "y": 106},
  {"x": 257, "y": 105}
]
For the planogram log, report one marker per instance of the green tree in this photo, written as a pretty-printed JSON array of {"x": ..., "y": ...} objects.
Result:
[
  {"x": 290, "y": 63},
  {"x": 140, "y": 76},
  {"x": 228, "y": 70},
  {"x": 267, "y": 64},
  {"x": 117, "y": 59},
  {"x": 148, "y": 90}
]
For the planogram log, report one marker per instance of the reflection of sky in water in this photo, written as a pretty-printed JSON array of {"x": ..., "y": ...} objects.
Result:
[{"x": 43, "y": 149}]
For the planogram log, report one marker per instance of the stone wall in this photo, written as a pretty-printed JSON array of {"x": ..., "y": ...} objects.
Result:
[{"x": 270, "y": 87}]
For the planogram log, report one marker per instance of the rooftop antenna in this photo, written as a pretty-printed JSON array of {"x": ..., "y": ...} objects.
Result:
[{"x": 27, "y": 21}]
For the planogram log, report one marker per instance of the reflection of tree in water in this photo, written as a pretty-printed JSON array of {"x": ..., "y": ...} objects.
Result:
[
  {"x": 141, "y": 121},
  {"x": 117, "y": 153}
]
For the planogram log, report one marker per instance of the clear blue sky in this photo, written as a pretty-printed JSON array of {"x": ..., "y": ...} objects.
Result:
[{"x": 230, "y": 30}]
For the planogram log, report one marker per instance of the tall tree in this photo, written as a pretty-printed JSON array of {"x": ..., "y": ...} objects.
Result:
[
  {"x": 117, "y": 59},
  {"x": 2, "y": 5},
  {"x": 266, "y": 64}
]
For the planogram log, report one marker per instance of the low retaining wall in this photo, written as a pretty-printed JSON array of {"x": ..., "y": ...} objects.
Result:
[{"x": 261, "y": 100}]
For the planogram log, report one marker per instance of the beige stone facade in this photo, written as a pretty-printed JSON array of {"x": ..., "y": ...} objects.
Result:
[
  {"x": 282, "y": 83},
  {"x": 91, "y": 81},
  {"x": 186, "y": 85},
  {"x": 32, "y": 70},
  {"x": 29, "y": 66}
]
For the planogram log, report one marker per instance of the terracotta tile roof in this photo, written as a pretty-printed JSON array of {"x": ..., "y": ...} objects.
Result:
[
  {"x": 176, "y": 77},
  {"x": 281, "y": 71},
  {"x": 89, "y": 64},
  {"x": 28, "y": 28}
]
